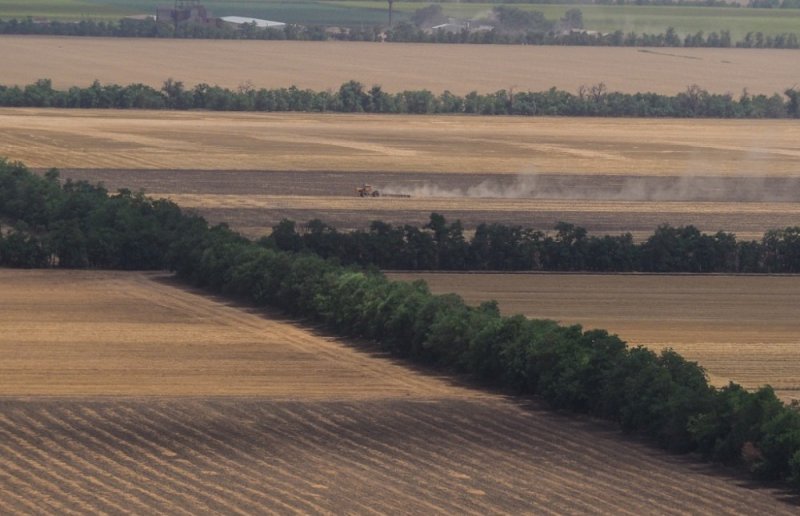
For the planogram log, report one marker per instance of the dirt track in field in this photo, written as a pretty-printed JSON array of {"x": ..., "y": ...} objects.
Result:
[
  {"x": 71, "y": 61},
  {"x": 740, "y": 328},
  {"x": 230, "y": 411}
]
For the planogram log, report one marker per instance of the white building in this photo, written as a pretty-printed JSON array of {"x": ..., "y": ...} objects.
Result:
[{"x": 261, "y": 24}]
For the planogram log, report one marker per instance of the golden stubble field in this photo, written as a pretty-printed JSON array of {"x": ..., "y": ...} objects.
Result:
[
  {"x": 740, "y": 328},
  {"x": 152, "y": 140},
  {"x": 125, "y": 393},
  {"x": 396, "y": 66},
  {"x": 251, "y": 170}
]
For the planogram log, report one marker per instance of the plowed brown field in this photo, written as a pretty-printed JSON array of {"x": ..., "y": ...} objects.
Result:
[
  {"x": 740, "y": 328},
  {"x": 70, "y": 61},
  {"x": 228, "y": 411},
  {"x": 608, "y": 175}
]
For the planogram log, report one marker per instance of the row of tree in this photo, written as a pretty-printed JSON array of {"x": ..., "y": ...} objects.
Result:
[
  {"x": 354, "y": 97},
  {"x": 78, "y": 225},
  {"x": 440, "y": 245},
  {"x": 513, "y": 27},
  {"x": 407, "y": 33},
  {"x": 660, "y": 395},
  {"x": 149, "y": 28}
]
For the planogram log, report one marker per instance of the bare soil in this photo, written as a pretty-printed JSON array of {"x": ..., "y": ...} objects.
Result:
[
  {"x": 71, "y": 61},
  {"x": 740, "y": 328},
  {"x": 226, "y": 410},
  {"x": 254, "y": 201}
]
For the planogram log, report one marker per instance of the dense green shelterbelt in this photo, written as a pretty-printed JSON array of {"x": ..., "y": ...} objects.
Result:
[
  {"x": 659, "y": 395},
  {"x": 354, "y": 97},
  {"x": 440, "y": 245}
]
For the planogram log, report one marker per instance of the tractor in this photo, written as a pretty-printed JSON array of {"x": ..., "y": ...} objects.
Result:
[{"x": 366, "y": 190}]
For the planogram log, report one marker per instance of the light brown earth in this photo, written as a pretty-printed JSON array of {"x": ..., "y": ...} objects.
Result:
[
  {"x": 123, "y": 334},
  {"x": 71, "y": 61},
  {"x": 228, "y": 410},
  {"x": 740, "y": 328}
]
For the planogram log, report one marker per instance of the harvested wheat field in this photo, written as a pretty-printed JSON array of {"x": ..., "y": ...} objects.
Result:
[
  {"x": 740, "y": 328},
  {"x": 252, "y": 170},
  {"x": 152, "y": 140},
  {"x": 107, "y": 333},
  {"x": 70, "y": 61},
  {"x": 125, "y": 393}
]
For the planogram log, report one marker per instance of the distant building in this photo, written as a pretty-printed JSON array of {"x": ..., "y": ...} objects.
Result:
[
  {"x": 261, "y": 24},
  {"x": 455, "y": 26},
  {"x": 451, "y": 27},
  {"x": 185, "y": 12}
]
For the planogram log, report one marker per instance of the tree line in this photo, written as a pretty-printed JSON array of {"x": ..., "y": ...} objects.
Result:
[
  {"x": 659, "y": 395},
  {"x": 149, "y": 28},
  {"x": 542, "y": 32},
  {"x": 354, "y": 97},
  {"x": 440, "y": 245},
  {"x": 406, "y": 33}
]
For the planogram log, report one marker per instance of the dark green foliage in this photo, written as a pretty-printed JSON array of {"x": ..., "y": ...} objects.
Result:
[
  {"x": 130, "y": 28},
  {"x": 354, "y": 97},
  {"x": 80, "y": 225},
  {"x": 440, "y": 245},
  {"x": 661, "y": 396},
  {"x": 754, "y": 429}
]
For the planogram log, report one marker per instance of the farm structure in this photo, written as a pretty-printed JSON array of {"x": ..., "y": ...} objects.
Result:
[
  {"x": 240, "y": 21},
  {"x": 185, "y": 12}
]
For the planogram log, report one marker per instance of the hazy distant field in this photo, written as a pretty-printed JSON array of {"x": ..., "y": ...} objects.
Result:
[
  {"x": 358, "y": 13},
  {"x": 652, "y": 19},
  {"x": 741, "y": 328},
  {"x": 252, "y": 170},
  {"x": 326, "y": 65},
  {"x": 225, "y": 410}
]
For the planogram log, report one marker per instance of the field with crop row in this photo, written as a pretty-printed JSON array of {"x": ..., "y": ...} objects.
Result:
[
  {"x": 740, "y": 328},
  {"x": 126, "y": 393},
  {"x": 71, "y": 61}
]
